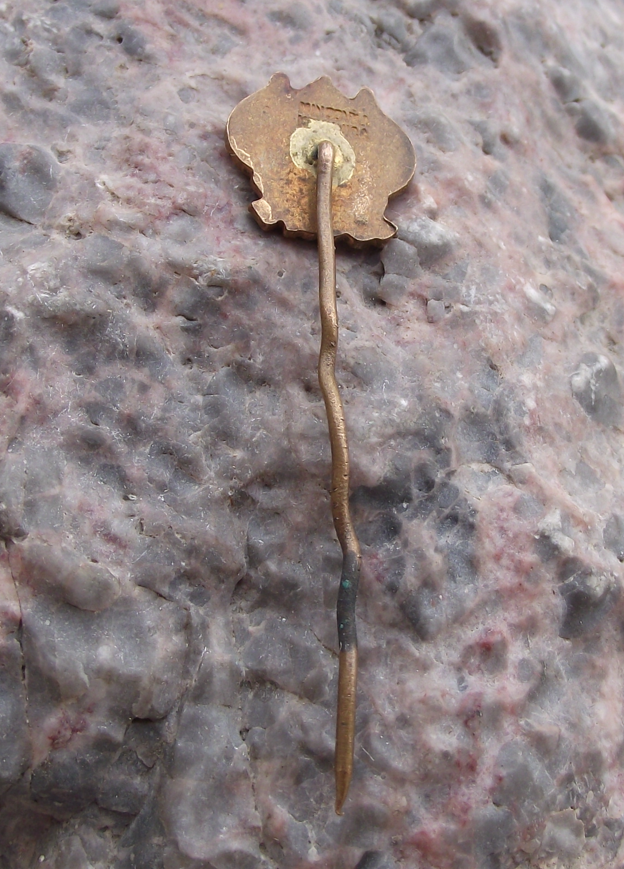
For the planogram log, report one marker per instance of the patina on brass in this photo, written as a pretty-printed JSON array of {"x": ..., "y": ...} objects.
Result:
[
  {"x": 259, "y": 134},
  {"x": 325, "y": 166}
]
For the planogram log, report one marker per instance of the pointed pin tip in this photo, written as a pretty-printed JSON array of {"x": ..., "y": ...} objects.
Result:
[{"x": 342, "y": 789}]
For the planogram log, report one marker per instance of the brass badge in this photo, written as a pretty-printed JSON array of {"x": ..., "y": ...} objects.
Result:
[
  {"x": 274, "y": 135},
  {"x": 325, "y": 166}
]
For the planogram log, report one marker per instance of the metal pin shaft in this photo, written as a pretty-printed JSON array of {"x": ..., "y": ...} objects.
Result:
[{"x": 347, "y": 637}]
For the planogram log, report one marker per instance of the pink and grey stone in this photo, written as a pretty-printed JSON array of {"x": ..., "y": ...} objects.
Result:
[{"x": 169, "y": 569}]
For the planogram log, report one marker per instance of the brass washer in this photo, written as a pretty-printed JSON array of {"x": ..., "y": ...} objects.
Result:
[{"x": 304, "y": 144}]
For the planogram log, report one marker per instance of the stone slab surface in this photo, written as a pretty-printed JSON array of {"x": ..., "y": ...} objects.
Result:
[{"x": 168, "y": 573}]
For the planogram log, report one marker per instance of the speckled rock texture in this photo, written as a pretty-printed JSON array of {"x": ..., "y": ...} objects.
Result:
[{"x": 169, "y": 569}]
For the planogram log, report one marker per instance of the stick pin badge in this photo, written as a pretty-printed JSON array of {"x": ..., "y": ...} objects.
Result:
[{"x": 325, "y": 167}]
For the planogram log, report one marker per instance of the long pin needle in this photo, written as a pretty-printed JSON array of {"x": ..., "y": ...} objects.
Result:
[{"x": 347, "y": 637}]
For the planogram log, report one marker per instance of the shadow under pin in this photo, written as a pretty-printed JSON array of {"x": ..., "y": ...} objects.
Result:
[{"x": 325, "y": 167}]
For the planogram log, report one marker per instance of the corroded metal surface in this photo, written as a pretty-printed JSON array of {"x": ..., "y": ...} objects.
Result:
[{"x": 262, "y": 135}]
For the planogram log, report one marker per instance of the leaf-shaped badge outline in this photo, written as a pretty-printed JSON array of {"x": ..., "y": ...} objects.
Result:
[{"x": 279, "y": 87}]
